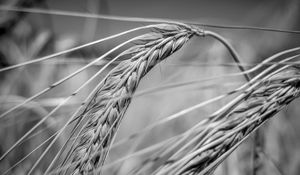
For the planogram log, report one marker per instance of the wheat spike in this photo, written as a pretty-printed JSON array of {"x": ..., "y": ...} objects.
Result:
[{"x": 107, "y": 107}]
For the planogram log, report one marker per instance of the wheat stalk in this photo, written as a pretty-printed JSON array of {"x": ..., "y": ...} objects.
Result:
[{"x": 106, "y": 109}]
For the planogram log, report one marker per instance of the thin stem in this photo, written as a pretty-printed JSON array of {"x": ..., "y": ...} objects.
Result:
[{"x": 232, "y": 51}]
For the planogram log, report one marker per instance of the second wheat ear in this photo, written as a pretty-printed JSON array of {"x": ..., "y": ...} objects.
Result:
[
  {"x": 212, "y": 140},
  {"x": 108, "y": 105}
]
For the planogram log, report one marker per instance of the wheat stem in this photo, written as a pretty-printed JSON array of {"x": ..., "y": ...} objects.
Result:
[{"x": 232, "y": 51}]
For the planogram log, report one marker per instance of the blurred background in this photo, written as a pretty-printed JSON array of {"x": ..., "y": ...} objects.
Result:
[{"x": 60, "y": 25}]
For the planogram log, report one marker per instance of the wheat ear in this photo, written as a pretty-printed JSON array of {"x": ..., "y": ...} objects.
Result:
[
  {"x": 106, "y": 109},
  {"x": 217, "y": 135}
]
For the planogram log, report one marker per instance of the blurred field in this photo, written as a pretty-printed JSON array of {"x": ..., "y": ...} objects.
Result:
[{"x": 34, "y": 35}]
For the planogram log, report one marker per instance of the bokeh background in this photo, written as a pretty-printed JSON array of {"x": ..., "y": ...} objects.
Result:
[{"x": 26, "y": 36}]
